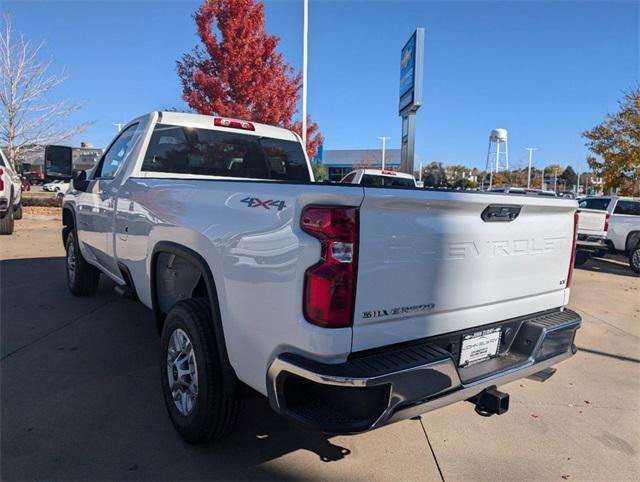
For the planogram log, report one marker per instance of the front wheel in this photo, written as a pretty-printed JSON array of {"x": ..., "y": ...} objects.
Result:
[
  {"x": 192, "y": 376},
  {"x": 82, "y": 278},
  {"x": 634, "y": 259}
]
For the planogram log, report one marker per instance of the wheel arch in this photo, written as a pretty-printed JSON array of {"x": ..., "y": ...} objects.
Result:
[
  {"x": 68, "y": 222},
  {"x": 633, "y": 239},
  {"x": 206, "y": 278}
]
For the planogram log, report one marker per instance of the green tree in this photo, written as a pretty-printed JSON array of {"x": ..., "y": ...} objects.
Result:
[
  {"x": 464, "y": 183},
  {"x": 320, "y": 171},
  {"x": 433, "y": 175},
  {"x": 569, "y": 176},
  {"x": 615, "y": 144}
]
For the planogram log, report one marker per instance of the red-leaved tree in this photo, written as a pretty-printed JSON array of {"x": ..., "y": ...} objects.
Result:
[{"x": 236, "y": 72}]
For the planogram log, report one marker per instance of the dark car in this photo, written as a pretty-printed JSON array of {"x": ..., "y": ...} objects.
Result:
[{"x": 26, "y": 184}]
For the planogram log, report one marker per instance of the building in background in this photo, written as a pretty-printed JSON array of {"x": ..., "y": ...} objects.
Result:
[{"x": 341, "y": 161}]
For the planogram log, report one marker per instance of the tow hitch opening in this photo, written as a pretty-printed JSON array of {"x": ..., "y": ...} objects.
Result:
[{"x": 490, "y": 401}]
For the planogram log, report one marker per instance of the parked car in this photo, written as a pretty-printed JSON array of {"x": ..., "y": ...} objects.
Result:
[
  {"x": 623, "y": 233},
  {"x": 10, "y": 196},
  {"x": 379, "y": 178},
  {"x": 25, "y": 183},
  {"x": 56, "y": 186},
  {"x": 350, "y": 307}
]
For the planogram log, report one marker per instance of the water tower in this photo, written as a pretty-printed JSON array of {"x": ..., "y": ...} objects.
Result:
[{"x": 498, "y": 153}]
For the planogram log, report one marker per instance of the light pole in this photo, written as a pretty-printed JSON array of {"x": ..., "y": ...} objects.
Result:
[
  {"x": 384, "y": 140},
  {"x": 305, "y": 33},
  {"x": 530, "y": 149},
  {"x": 119, "y": 125}
]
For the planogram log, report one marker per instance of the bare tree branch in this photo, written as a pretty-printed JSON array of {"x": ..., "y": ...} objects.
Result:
[{"x": 28, "y": 117}]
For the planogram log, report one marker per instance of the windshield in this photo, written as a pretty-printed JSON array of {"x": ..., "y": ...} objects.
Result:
[
  {"x": 185, "y": 150},
  {"x": 376, "y": 181}
]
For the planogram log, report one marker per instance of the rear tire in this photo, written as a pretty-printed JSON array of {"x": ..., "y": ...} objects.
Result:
[
  {"x": 206, "y": 412},
  {"x": 6, "y": 222},
  {"x": 634, "y": 259},
  {"x": 581, "y": 258},
  {"x": 601, "y": 253},
  {"x": 17, "y": 212},
  {"x": 82, "y": 278}
]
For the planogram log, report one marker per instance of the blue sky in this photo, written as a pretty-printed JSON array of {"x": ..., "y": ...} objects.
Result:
[{"x": 544, "y": 70}]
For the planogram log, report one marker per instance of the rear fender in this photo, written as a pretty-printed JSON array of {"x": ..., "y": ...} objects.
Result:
[{"x": 230, "y": 379}]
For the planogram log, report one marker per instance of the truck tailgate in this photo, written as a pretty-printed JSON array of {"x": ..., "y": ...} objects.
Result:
[
  {"x": 591, "y": 222},
  {"x": 430, "y": 264}
]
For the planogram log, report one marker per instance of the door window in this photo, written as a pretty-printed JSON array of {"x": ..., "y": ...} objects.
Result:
[
  {"x": 631, "y": 208},
  {"x": 116, "y": 154}
]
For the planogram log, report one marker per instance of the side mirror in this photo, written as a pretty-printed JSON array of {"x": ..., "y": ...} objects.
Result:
[{"x": 80, "y": 181}]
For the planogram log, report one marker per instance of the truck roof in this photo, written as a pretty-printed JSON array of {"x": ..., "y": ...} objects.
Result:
[{"x": 207, "y": 122}]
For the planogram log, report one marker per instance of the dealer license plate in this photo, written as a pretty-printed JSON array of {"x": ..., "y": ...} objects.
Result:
[{"x": 479, "y": 346}]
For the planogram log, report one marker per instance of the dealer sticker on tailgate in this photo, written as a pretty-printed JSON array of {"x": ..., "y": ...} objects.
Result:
[{"x": 479, "y": 346}]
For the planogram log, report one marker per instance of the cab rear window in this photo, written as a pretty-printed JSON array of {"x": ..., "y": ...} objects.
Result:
[
  {"x": 600, "y": 204},
  {"x": 375, "y": 181},
  {"x": 185, "y": 150}
]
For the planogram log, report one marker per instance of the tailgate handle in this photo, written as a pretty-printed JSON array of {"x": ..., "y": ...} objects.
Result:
[{"x": 500, "y": 213}]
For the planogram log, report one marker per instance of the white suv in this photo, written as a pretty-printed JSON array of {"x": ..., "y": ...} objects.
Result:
[
  {"x": 10, "y": 196},
  {"x": 623, "y": 227}
]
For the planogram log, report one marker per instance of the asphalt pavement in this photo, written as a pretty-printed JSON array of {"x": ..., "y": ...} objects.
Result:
[{"x": 80, "y": 397}]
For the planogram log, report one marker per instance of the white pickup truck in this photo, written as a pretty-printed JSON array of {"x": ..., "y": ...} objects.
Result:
[
  {"x": 379, "y": 178},
  {"x": 609, "y": 224},
  {"x": 593, "y": 224},
  {"x": 10, "y": 196},
  {"x": 349, "y": 307}
]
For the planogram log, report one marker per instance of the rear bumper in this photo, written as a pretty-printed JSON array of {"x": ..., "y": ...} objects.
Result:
[
  {"x": 587, "y": 242},
  {"x": 376, "y": 388}
]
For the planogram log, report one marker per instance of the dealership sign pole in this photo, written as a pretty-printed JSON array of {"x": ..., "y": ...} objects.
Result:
[{"x": 411, "y": 67}]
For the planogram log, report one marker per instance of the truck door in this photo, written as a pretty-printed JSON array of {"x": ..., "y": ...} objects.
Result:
[{"x": 96, "y": 207}]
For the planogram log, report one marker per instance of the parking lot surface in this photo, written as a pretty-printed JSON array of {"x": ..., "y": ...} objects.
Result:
[{"x": 80, "y": 395}]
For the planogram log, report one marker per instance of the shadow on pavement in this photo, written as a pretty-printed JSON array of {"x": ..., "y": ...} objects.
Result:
[
  {"x": 81, "y": 396},
  {"x": 618, "y": 266}
]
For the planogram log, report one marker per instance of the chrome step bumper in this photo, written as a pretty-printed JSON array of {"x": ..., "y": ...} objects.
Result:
[{"x": 379, "y": 387}]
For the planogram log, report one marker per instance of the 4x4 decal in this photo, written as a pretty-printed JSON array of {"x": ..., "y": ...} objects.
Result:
[{"x": 254, "y": 202}]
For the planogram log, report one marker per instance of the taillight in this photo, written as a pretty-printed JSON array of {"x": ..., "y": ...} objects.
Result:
[
  {"x": 233, "y": 123},
  {"x": 1, "y": 179},
  {"x": 330, "y": 285},
  {"x": 606, "y": 222},
  {"x": 573, "y": 249}
]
